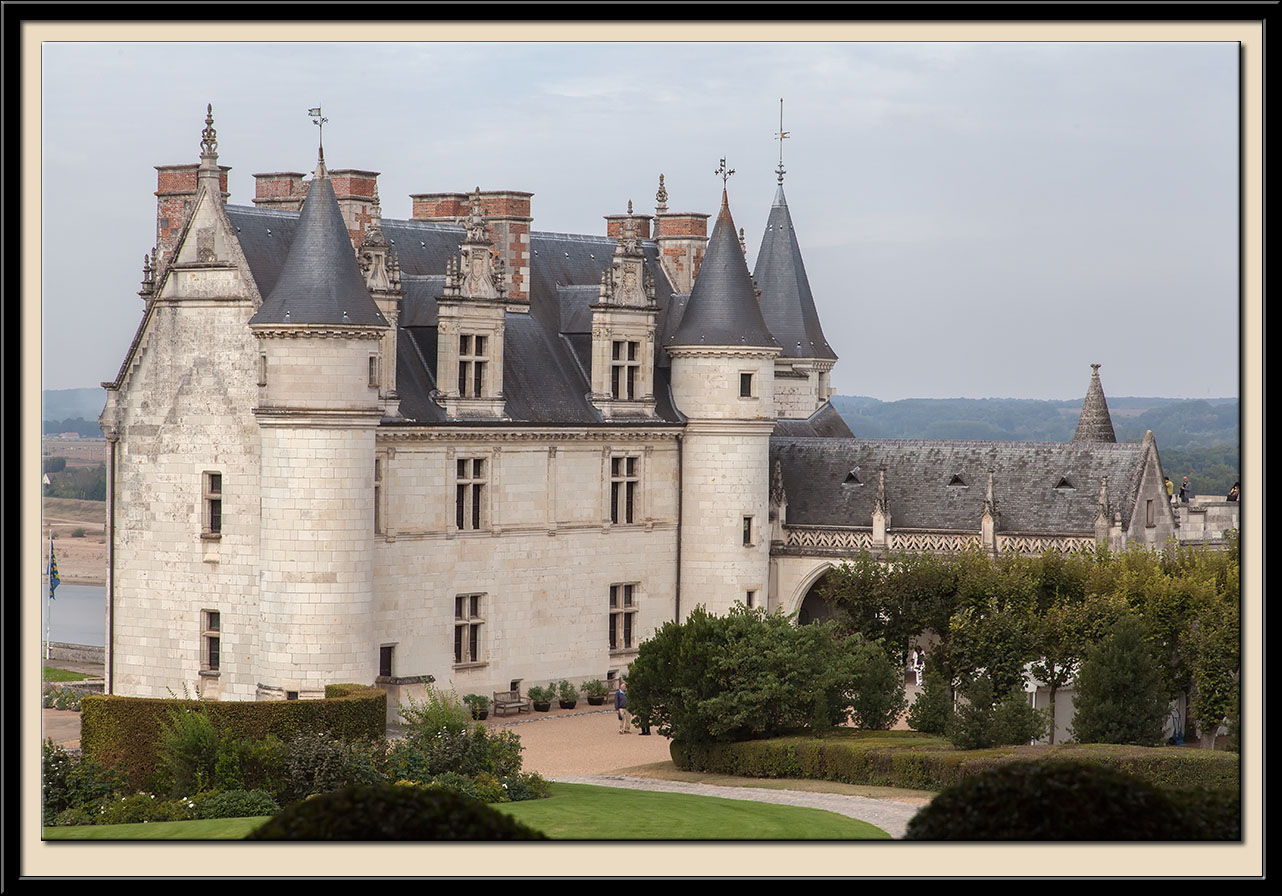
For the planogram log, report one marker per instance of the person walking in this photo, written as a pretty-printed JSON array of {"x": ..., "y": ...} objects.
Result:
[
  {"x": 621, "y": 708},
  {"x": 1185, "y": 491},
  {"x": 1170, "y": 489}
]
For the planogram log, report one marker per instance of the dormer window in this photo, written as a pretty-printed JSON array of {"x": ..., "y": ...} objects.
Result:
[
  {"x": 957, "y": 482},
  {"x": 852, "y": 478},
  {"x": 1064, "y": 486},
  {"x": 472, "y": 361},
  {"x": 625, "y": 362}
]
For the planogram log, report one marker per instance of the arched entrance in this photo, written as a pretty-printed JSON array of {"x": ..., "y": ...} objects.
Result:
[{"x": 814, "y": 607}]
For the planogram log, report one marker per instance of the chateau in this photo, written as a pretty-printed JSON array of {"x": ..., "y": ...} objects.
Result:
[{"x": 350, "y": 448}]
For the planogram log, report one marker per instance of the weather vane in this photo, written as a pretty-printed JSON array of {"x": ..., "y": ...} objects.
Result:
[
  {"x": 319, "y": 121},
  {"x": 781, "y": 136},
  {"x": 725, "y": 175}
]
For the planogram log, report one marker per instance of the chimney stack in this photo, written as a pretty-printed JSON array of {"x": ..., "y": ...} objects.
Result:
[{"x": 508, "y": 214}]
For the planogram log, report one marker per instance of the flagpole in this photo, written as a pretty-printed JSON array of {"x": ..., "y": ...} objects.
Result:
[{"x": 48, "y": 596}]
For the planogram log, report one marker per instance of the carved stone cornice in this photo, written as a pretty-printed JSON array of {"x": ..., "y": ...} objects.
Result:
[
  {"x": 723, "y": 351},
  {"x": 486, "y": 434},
  {"x": 311, "y": 331}
]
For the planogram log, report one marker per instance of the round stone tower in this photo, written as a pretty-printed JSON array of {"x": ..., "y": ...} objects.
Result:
[
  {"x": 723, "y": 358},
  {"x": 318, "y": 333}
]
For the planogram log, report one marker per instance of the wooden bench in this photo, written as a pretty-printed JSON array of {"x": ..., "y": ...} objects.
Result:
[{"x": 506, "y": 701}]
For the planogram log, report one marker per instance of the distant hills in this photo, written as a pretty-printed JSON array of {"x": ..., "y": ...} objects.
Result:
[{"x": 62, "y": 404}]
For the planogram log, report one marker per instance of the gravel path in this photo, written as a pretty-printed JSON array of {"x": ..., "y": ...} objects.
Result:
[
  {"x": 584, "y": 747},
  {"x": 889, "y": 815}
]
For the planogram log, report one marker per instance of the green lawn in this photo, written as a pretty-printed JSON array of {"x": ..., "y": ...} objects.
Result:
[
  {"x": 586, "y": 812},
  {"x": 213, "y": 829},
  {"x": 574, "y": 812},
  {"x": 52, "y": 673}
]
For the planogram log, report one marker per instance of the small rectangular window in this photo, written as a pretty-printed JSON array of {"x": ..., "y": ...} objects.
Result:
[
  {"x": 373, "y": 371},
  {"x": 745, "y": 385},
  {"x": 1148, "y": 510},
  {"x": 385, "y": 660},
  {"x": 212, "y": 524},
  {"x": 751, "y": 599},
  {"x": 468, "y": 621},
  {"x": 469, "y": 498},
  {"x": 210, "y": 640},
  {"x": 747, "y": 531},
  {"x": 623, "y": 612},
  {"x": 624, "y": 478},
  {"x": 262, "y": 369}
]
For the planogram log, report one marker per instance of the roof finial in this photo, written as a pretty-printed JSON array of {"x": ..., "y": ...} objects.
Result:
[
  {"x": 661, "y": 198},
  {"x": 209, "y": 137},
  {"x": 319, "y": 121},
  {"x": 781, "y": 136},
  {"x": 725, "y": 174}
]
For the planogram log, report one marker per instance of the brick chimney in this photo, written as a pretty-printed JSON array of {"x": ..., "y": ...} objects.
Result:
[
  {"x": 508, "y": 214},
  {"x": 282, "y": 190},
  {"x": 640, "y": 224},
  {"x": 357, "y": 194},
  {"x": 682, "y": 239},
  {"x": 175, "y": 193}
]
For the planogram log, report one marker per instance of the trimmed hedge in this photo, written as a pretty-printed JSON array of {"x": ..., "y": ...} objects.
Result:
[
  {"x": 924, "y": 762},
  {"x": 125, "y": 732}
]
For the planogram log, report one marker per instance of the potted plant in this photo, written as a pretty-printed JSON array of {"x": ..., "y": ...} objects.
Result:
[
  {"x": 479, "y": 704},
  {"x": 596, "y": 692},
  {"x": 567, "y": 694},
  {"x": 541, "y": 697}
]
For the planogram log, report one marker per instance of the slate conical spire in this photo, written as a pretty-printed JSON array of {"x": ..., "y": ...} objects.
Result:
[
  {"x": 786, "y": 301},
  {"x": 723, "y": 309},
  {"x": 1094, "y": 424},
  {"x": 320, "y": 282}
]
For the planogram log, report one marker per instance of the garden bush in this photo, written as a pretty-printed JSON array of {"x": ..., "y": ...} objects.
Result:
[
  {"x": 235, "y": 804},
  {"x": 315, "y": 763},
  {"x": 750, "y": 674},
  {"x": 74, "y": 784},
  {"x": 982, "y": 721},
  {"x": 392, "y": 812},
  {"x": 1057, "y": 801}
]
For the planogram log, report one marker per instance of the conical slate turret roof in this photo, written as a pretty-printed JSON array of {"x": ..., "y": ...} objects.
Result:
[
  {"x": 786, "y": 301},
  {"x": 320, "y": 282},
  {"x": 723, "y": 309},
  {"x": 1094, "y": 425}
]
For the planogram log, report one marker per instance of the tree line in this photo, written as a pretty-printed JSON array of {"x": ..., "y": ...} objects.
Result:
[{"x": 996, "y": 616}]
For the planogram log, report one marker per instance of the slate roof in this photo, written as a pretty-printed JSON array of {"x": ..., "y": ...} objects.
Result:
[
  {"x": 319, "y": 281},
  {"x": 1094, "y": 424},
  {"x": 1040, "y": 487},
  {"x": 786, "y": 301},
  {"x": 722, "y": 309},
  {"x": 825, "y": 423},
  {"x": 547, "y": 353}
]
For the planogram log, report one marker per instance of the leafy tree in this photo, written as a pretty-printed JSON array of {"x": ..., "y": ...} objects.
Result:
[
  {"x": 745, "y": 675},
  {"x": 1120, "y": 698},
  {"x": 54, "y": 464},
  {"x": 933, "y": 708},
  {"x": 982, "y": 720},
  {"x": 880, "y": 700}
]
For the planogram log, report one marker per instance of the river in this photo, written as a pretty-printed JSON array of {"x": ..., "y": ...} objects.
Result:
[{"x": 79, "y": 615}]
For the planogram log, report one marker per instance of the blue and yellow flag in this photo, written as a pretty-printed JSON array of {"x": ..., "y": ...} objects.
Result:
[{"x": 53, "y": 568}]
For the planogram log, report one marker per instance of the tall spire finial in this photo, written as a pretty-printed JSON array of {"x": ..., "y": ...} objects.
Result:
[
  {"x": 319, "y": 121},
  {"x": 661, "y": 198},
  {"x": 781, "y": 136},
  {"x": 725, "y": 174},
  {"x": 209, "y": 137}
]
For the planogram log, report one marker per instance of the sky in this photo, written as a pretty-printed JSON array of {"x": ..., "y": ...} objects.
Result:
[{"x": 978, "y": 220}]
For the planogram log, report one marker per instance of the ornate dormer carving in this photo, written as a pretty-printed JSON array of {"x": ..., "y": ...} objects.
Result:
[
  {"x": 627, "y": 283},
  {"x": 476, "y": 273},
  {"x": 881, "y": 512},
  {"x": 990, "y": 519}
]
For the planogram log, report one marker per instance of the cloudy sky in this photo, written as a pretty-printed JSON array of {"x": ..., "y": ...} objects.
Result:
[{"x": 977, "y": 219}]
